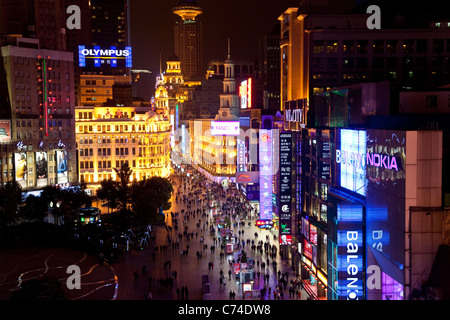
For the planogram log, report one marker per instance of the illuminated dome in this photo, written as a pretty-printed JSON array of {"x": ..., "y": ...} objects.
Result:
[{"x": 187, "y": 9}]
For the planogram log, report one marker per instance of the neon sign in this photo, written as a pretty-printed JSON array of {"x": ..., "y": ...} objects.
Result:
[
  {"x": 294, "y": 115},
  {"x": 245, "y": 93},
  {"x": 264, "y": 224},
  {"x": 102, "y": 56},
  {"x": 382, "y": 161},
  {"x": 225, "y": 128},
  {"x": 265, "y": 174},
  {"x": 350, "y": 252}
]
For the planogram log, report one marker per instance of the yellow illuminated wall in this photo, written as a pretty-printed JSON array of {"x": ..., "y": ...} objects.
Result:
[
  {"x": 97, "y": 89},
  {"x": 215, "y": 154},
  {"x": 107, "y": 137}
]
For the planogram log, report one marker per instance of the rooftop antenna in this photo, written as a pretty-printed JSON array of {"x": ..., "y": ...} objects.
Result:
[{"x": 229, "y": 56}]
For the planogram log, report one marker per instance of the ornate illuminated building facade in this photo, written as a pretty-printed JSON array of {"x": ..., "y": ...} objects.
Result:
[
  {"x": 213, "y": 141},
  {"x": 107, "y": 137}
]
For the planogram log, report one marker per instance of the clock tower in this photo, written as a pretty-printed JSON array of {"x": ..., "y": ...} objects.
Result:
[{"x": 229, "y": 99}]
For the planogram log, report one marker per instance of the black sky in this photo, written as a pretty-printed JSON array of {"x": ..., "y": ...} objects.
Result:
[{"x": 244, "y": 21}]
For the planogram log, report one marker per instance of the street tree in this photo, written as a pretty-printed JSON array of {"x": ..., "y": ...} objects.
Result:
[
  {"x": 10, "y": 201},
  {"x": 148, "y": 197}
]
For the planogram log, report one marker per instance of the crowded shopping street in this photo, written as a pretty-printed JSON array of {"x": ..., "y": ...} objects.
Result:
[{"x": 189, "y": 258}]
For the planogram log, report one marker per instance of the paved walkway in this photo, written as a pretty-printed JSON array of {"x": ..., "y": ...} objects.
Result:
[
  {"x": 118, "y": 281},
  {"x": 190, "y": 268}
]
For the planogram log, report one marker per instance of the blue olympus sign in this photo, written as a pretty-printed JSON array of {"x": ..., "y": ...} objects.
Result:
[{"x": 104, "y": 56}]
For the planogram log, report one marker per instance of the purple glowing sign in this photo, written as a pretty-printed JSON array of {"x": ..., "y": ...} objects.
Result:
[{"x": 265, "y": 174}]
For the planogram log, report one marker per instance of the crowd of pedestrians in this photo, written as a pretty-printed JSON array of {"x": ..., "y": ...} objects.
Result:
[{"x": 198, "y": 202}]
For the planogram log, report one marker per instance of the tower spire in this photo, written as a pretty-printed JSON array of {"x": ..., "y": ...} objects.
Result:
[{"x": 229, "y": 54}]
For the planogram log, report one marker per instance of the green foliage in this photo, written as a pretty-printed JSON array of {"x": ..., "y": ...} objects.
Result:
[
  {"x": 148, "y": 196},
  {"x": 10, "y": 201}
]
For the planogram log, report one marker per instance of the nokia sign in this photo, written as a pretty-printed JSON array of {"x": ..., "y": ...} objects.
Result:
[{"x": 382, "y": 161}]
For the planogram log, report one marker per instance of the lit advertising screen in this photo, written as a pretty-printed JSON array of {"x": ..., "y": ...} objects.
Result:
[
  {"x": 241, "y": 156},
  {"x": 20, "y": 162},
  {"x": 5, "y": 130},
  {"x": 265, "y": 174},
  {"x": 225, "y": 128},
  {"x": 245, "y": 93},
  {"x": 313, "y": 234},
  {"x": 285, "y": 181},
  {"x": 351, "y": 160},
  {"x": 307, "y": 250},
  {"x": 41, "y": 169},
  {"x": 96, "y": 56},
  {"x": 350, "y": 255},
  {"x": 285, "y": 240},
  {"x": 385, "y": 209},
  {"x": 61, "y": 166}
]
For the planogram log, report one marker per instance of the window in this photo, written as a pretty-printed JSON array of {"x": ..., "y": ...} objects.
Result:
[
  {"x": 332, "y": 46},
  {"x": 318, "y": 46},
  {"x": 431, "y": 101}
]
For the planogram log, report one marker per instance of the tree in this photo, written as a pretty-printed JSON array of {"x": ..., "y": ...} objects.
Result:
[
  {"x": 148, "y": 196},
  {"x": 123, "y": 175},
  {"x": 34, "y": 208},
  {"x": 109, "y": 192},
  {"x": 10, "y": 201}
]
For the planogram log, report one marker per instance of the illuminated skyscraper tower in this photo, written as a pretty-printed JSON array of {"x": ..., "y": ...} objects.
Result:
[{"x": 188, "y": 38}]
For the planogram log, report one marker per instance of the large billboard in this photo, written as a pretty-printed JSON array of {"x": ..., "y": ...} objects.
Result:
[
  {"x": 5, "y": 130},
  {"x": 41, "y": 169},
  {"x": 61, "y": 166},
  {"x": 265, "y": 174},
  {"x": 97, "y": 56},
  {"x": 385, "y": 211},
  {"x": 350, "y": 257},
  {"x": 285, "y": 190},
  {"x": 245, "y": 93},
  {"x": 21, "y": 169},
  {"x": 351, "y": 160}
]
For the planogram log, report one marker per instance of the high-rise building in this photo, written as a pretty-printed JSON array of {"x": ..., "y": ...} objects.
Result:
[
  {"x": 321, "y": 50},
  {"x": 188, "y": 38},
  {"x": 269, "y": 68},
  {"x": 105, "y": 25},
  {"x": 43, "y": 20},
  {"x": 39, "y": 129},
  {"x": 110, "y": 22}
]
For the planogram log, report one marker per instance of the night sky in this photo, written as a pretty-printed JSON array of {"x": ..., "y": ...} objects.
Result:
[{"x": 244, "y": 21}]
